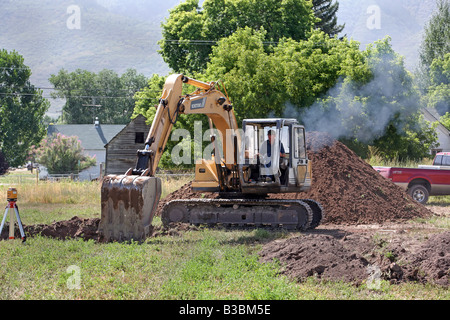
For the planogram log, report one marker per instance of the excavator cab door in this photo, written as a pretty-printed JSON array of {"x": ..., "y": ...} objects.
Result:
[{"x": 299, "y": 158}]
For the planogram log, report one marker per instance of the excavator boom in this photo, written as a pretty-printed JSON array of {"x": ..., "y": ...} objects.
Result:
[{"x": 129, "y": 201}]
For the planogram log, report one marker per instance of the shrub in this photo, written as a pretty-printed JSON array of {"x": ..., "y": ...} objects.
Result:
[{"x": 62, "y": 154}]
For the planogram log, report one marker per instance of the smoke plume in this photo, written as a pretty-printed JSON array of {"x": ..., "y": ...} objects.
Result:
[{"x": 353, "y": 110}]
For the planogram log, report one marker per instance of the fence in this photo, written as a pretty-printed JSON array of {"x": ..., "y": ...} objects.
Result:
[{"x": 30, "y": 178}]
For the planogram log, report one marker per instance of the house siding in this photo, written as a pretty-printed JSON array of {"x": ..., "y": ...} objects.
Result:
[
  {"x": 443, "y": 134},
  {"x": 121, "y": 151}
]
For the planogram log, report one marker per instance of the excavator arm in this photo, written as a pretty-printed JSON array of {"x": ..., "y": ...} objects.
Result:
[
  {"x": 129, "y": 201},
  {"x": 205, "y": 100}
]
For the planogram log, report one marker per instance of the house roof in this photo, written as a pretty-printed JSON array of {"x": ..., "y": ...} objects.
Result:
[
  {"x": 434, "y": 117},
  {"x": 92, "y": 137}
]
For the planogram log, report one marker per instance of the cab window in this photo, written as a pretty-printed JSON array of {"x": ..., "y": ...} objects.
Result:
[
  {"x": 438, "y": 160},
  {"x": 299, "y": 143},
  {"x": 446, "y": 160}
]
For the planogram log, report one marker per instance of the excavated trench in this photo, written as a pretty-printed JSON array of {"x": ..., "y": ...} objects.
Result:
[{"x": 367, "y": 234}]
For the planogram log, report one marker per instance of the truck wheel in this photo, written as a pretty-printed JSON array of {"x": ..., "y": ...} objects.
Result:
[{"x": 419, "y": 193}]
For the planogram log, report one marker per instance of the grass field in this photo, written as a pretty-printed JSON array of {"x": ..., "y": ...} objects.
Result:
[{"x": 203, "y": 264}]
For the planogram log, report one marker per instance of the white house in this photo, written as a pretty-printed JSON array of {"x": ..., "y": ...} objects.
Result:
[{"x": 442, "y": 132}]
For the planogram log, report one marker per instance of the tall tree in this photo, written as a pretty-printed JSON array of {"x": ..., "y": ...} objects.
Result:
[
  {"x": 105, "y": 95},
  {"x": 433, "y": 75},
  {"x": 325, "y": 11},
  {"x": 190, "y": 31},
  {"x": 438, "y": 93},
  {"x": 293, "y": 73},
  {"x": 22, "y": 109},
  {"x": 436, "y": 40}
]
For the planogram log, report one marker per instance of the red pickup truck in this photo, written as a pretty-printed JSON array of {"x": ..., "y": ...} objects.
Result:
[{"x": 423, "y": 181}]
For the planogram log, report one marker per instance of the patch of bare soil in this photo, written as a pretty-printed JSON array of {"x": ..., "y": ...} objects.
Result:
[
  {"x": 73, "y": 228},
  {"x": 360, "y": 256},
  {"x": 366, "y": 234},
  {"x": 86, "y": 229}
]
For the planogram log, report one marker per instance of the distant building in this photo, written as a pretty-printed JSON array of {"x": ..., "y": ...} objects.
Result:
[
  {"x": 121, "y": 150},
  {"x": 442, "y": 132},
  {"x": 93, "y": 139}
]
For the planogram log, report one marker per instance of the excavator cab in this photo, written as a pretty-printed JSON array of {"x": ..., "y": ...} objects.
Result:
[{"x": 274, "y": 158}]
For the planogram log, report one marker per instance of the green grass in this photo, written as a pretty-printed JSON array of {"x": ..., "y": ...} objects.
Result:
[
  {"x": 206, "y": 264},
  {"x": 375, "y": 160},
  {"x": 203, "y": 264}
]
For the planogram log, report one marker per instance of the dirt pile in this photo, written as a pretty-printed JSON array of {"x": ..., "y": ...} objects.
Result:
[
  {"x": 86, "y": 229},
  {"x": 429, "y": 262},
  {"x": 61, "y": 230},
  {"x": 350, "y": 190},
  {"x": 359, "y": 258}
]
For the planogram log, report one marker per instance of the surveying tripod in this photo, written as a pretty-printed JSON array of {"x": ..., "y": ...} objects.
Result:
[{"x": 12, "y": 199}]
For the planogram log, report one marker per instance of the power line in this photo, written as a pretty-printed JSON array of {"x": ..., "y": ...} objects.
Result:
[{"x": 17, "y": 94}]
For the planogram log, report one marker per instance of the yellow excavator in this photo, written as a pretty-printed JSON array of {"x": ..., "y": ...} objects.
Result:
[{"x": 243, "y": 166}]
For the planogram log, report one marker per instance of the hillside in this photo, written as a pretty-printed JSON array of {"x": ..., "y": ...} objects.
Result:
[
  {"x": 403, "y": 20},
  {"x": 107, "y": 38},
  {"x": 123, "y": 34}
]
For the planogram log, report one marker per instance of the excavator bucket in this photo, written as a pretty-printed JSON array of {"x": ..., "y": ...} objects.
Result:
[{"x": 128, "y": 205}]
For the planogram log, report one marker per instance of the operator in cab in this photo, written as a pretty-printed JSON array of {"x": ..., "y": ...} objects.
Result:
[{"x": 266, "y": 150}]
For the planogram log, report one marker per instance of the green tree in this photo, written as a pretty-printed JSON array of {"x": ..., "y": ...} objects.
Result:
[
  {"x": 436, "y": 40},
  {"x": 325, "y": 11},
  {"x": 252, "y": 78},
  {"x": 147, "y": 101},
  {"x": 105, "y": 95},
  {"x": 61, "y": 154},
  {"x": 384, "y": 110},
  {"x": 294, "y": 73},
  {"x": 445, "y": 120},
  {"x": 3, "y": 164},
  {"x": 22, "y": 109},
  {"x": 438, "y": 95},
  {"x": 190, "y": 31}
]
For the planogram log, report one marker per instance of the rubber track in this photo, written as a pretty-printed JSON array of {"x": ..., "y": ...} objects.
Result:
[{"x": 314, "y": 212}]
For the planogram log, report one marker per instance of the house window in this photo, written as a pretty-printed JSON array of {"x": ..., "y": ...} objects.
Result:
[
  {"x": 435, "y": 151},
  {"x": 139, "y": 137}
]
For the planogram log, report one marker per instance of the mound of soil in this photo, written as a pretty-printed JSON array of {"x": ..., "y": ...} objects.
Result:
[
  {"x": 350, "y": 190},
  {"x": 86, "y": 229},
  {"x": 429, "y": 262},
  {"x": 73, "y": 228},
  {"x": 358, "y": 258}
]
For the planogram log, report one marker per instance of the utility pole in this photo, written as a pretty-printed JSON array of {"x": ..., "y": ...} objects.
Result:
[{"x": 93, "y": 105}]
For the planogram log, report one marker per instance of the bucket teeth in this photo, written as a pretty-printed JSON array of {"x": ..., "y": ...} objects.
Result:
[{"x": 128, "y": 204}]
